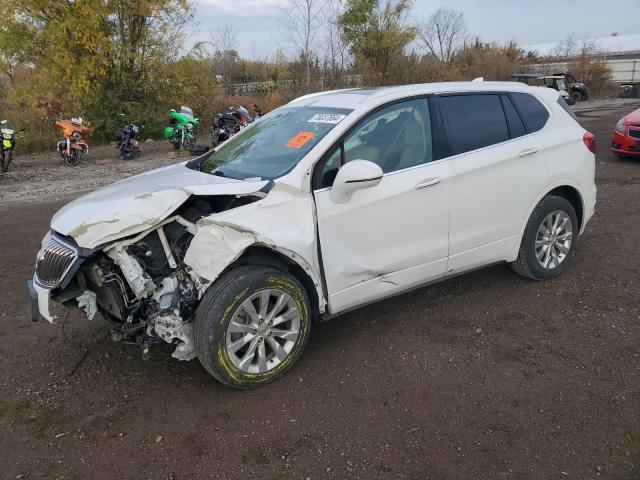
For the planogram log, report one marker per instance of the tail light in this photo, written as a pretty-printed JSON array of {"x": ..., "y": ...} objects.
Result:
[{"x": 589, "y": 140}]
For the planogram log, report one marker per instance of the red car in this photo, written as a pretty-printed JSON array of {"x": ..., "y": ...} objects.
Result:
[{"x": 626, "y": 136}]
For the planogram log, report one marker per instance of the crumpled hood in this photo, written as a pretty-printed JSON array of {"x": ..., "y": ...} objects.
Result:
[{"x": 137, "y": 203}]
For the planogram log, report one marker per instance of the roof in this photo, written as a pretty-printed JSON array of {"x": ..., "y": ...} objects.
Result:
[
  {"x": 527, "y": 75},
  {"x": 612, "y": 44},
  {"x": 352, "y": 98}
]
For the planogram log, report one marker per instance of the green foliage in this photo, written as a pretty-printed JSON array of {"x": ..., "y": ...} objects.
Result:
[
  {"x": 377, "y": 34},
  {"x": 97, "y": 58}
]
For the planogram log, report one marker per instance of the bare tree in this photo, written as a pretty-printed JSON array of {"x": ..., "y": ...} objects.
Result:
[
  {"x": 221, "y": 50},
  {"x": 336, "y": 56},
  {"x": 566, "y": 48},
  {"x": 444, "y": 33},
  {"x": 301, "y": 23}
]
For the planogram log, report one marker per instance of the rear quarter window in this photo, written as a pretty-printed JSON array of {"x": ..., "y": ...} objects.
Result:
[
  {"x": 534, "y": 114},
  {"x": 516, "y": 127}
]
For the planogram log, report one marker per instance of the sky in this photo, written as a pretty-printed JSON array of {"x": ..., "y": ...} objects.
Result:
[{"x": 260, "y": 32}]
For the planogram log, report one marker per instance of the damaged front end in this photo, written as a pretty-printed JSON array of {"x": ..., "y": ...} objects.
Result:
[{"x": 140, "y": 283}]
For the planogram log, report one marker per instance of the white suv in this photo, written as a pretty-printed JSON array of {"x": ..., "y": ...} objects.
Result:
[{"x": 332, "y": 201}]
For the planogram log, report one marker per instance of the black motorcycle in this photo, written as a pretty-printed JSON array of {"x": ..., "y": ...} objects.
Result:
[
  {"x": 129, "y": 141},
  {"x": 8, "y": 144}
]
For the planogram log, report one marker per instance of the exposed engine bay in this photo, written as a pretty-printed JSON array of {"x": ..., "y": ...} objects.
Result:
[{"x": 142, "y": 284}]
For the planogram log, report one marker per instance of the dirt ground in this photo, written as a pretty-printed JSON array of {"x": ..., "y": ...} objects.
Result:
[{"x": 486, "y": 376}]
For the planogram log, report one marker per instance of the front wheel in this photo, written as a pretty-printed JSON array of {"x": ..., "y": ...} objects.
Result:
[
  {"x": 5, "y": 161},
  {"x": 73, "y": 158},
  {"x": 127, "y": 152},
  {"x": 189, "y": 143},
  {"x": 549, "y": 239},
  {"x": 252, "y": 326}
]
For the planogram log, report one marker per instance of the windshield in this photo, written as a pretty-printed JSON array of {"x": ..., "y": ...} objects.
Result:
[{"x": 274, "y": 144}]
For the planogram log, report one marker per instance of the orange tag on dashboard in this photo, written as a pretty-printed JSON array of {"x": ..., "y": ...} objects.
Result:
[{"x": 300, "y": 139}]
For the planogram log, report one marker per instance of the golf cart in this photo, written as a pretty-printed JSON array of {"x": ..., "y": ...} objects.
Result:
[
  {"x": 577, "y": 90},
  {"x": 557, "y": 82}
]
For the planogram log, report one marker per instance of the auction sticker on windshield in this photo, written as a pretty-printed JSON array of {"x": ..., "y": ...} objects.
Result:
[
  {"x": 300, "y": 139},
  {"x": 332, "y": 118}
]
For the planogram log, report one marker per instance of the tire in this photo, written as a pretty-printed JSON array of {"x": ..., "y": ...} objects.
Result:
[
  {"x": 584, "y": 96},
  {"x": 73, "y": 159},
  {"x": 5, "y": 161},
  {"x": 576, "y": 96},
  {"x": 127, "y": 152},
  {"x": 527, "y": 263},
  {"x": 225, "y": 301}
]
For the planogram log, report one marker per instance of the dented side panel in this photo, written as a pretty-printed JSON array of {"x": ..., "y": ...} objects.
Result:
[{"x": 283, "y": 221}]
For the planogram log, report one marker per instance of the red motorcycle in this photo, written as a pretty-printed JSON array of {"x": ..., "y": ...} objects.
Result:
[{"x": 227, "y": 124}]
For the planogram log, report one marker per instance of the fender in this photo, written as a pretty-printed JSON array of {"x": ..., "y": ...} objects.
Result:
[
  {"x": 565, "y": 182},
  {"x": 217, "y": 244},
  {"x": 79, "y": 146}
]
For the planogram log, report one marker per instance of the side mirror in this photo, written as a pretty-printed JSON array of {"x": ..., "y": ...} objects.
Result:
[{"x": 353, "y": 176}]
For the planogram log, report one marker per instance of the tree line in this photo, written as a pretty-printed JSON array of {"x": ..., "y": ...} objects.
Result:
[{"x": 98, "y": 58}]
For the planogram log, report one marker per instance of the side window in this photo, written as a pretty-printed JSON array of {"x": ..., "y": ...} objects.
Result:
[
  {"x": 330, "y": 166},
  {"x": 533, "y": 112},
  {"x": 474, "y": 121},
  {"x": 516, "y": 127},
  {"x": 396, "y": 137}
]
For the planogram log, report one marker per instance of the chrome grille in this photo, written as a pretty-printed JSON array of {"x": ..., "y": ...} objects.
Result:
[{"x": 55, "y": 258}]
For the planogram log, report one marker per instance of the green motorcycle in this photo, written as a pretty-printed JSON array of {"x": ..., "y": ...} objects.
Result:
[
  {"x": 6, "y": 147},
  {"x": 180, "y": 130}
]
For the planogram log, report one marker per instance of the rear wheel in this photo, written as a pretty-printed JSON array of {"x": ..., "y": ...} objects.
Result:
[
  {"x": 549, "y": 239},
  {"x": 252, "y": 326},
  {"x": 576, "y": 96}
]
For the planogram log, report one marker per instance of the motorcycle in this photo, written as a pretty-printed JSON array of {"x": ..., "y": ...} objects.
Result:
[
  {"x": 72, "y": 147},
  {"x": 129, "y": 141},
  {"x": 8, "y": 144},
  {"x": 229, "y": 123},
  {"x": 180, "y": 130}
]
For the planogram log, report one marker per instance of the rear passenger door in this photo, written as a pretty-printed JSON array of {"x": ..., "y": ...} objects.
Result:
[{"x": 496, "y": 168}]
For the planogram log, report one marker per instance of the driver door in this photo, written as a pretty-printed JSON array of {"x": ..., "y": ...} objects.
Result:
[{"x": 393, "y": 236}]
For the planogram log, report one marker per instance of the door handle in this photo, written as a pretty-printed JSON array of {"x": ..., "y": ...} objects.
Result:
[
  {"x": 428, "y": 182},
  {"x": 528, "y": 151}
]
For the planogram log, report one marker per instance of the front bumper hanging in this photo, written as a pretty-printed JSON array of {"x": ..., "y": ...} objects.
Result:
[{"x": 38, "y": 301}]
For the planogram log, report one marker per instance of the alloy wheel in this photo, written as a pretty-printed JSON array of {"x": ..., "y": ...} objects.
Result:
[
  {"x": 553, "y": 240},
  {"x": 263, "y": 331}
]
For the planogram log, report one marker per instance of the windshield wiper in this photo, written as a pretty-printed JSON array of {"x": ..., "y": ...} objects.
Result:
[{"x": 218, "y": 173}]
